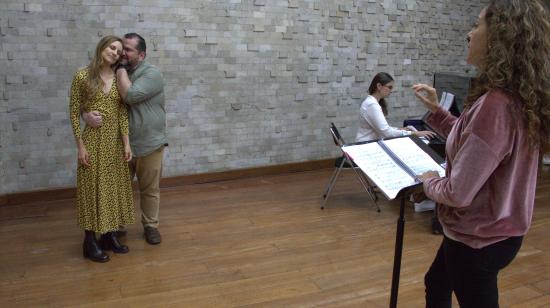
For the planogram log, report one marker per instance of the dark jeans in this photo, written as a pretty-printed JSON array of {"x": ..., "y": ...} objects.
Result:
[{"x": 470, "y": 273}]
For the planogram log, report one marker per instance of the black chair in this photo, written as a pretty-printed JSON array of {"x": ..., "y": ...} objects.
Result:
[{"x": 345, "y": 162}]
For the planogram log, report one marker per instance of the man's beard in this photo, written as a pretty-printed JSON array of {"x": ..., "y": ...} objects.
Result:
[
  {"x": 131, "y": 65},
  {"x": 128, "y": 65}
]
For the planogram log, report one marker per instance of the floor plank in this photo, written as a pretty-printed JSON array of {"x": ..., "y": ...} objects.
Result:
[{"x": 256, "y": 242}]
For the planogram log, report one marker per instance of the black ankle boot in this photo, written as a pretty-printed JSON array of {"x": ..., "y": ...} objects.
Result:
[
  {"x": 109, "y": 241},
  {"x": 91, "y": 249}
]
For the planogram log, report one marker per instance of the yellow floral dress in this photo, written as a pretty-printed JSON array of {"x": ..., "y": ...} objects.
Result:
[{"x": 104, "y": 190}]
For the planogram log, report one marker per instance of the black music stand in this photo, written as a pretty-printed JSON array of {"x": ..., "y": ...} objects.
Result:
[
  {"x": 398, "y": 252},
  {"x": 405, "y": 188},
  {"x": 400, "y": 231}
]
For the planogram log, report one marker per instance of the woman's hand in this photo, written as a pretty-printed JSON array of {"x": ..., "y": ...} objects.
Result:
[
  {"x": 428, "y": 175},
  {"x": 127, "y": 149},
  {"x": 427, "y": 95},
  {"x": 127, "y": 153},
  {"x": 83, "y": 157},
  {"x": 425, "y": 133}
]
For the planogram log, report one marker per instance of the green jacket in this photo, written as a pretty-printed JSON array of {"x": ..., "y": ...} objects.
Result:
[{"x": 146, "y": 112}]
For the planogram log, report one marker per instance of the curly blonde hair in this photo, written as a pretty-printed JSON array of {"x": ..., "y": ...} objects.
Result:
[{"x": 518, "y": 62}]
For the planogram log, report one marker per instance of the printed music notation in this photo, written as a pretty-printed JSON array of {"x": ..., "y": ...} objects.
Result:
[
  {"x": 388, "y": 170},
  {"x": 413, "y": 156}
]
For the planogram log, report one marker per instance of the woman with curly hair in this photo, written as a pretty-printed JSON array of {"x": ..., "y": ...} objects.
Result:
[
  {"x": 486, "y": 200},
  {"x": 104, "y": 190}
]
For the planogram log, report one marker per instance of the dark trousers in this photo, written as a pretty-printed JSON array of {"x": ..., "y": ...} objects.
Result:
[{"x": 470, "y": 273}]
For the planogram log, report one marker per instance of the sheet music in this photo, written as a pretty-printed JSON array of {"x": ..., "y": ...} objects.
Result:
[
  {"x": 446, "y": 100},
  {"x": 380, "y": 168},
  {"x": 413, "y": 156}
]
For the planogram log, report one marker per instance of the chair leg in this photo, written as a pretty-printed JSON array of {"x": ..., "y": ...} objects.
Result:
[
  {"x": 368, "y": 187},
  {"x": 332, "y": 183},
  {"x": 360, "y": 176}
]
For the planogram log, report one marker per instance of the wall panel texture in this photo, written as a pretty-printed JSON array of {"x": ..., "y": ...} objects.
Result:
[{"x": 249, "y": 83}]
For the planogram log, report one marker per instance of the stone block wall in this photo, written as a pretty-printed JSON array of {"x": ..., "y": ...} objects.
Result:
[{"x": 248, "y": 82}]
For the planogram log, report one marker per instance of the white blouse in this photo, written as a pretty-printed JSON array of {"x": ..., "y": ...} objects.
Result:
[{"x": 373, "y": 124}]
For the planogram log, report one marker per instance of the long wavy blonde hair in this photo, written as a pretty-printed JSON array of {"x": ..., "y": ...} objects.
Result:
[
  {"x": 94, "y": 82},
  {"x": 518, "y": 62}
]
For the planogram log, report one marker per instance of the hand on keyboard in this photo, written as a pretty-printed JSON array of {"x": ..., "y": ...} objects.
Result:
[{"x": 425, "y": 133}]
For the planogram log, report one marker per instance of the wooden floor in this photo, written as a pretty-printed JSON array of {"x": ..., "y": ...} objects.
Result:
[{"x": 259, "y": 242}]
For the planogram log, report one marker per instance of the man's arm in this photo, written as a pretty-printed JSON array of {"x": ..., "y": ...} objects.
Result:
[
  {"x": 145, "y": 86},
  {"x": 123, "y": 82},
  {"x": 92, "y": 118}
]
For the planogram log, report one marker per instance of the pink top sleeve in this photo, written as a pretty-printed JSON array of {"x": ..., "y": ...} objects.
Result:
[
  {"x": 488, "y": 192},
  {"x": 442, "y": 121}
]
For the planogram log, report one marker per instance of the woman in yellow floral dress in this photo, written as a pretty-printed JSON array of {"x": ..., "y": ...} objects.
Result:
[{"x": 104, "y": 189}]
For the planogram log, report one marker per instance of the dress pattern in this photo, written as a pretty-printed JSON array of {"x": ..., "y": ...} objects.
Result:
[{"x": 104, "y": 189}]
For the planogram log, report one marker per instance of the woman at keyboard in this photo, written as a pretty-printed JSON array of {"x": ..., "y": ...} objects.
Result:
[
  {"x": 372, "y": 119},
  {"x": 486, "y": 200}
]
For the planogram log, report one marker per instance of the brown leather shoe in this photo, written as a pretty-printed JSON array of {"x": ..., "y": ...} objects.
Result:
[{"x": 152, "y": 235}]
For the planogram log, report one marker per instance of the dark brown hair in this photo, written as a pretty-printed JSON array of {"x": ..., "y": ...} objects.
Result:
[
  {"x": 141, "y": 46},
  {"x": 381, "y": 78}
]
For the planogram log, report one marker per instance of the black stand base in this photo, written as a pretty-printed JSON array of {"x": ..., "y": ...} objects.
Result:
[{"x": 398, "y": 252}]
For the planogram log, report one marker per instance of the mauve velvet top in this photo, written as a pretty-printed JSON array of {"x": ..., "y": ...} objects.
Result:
[{"x": 488, "y": 192}]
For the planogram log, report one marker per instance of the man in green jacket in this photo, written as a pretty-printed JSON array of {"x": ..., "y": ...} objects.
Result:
[{"x": 141, "y": 87}]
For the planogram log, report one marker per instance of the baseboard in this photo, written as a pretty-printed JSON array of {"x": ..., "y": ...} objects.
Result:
[
  {"x": 38, "y": 196},
  {"x": 245, "y": 173},
  {"x": 3, "y": 200},
  {"x": 70, "y": 192}
]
